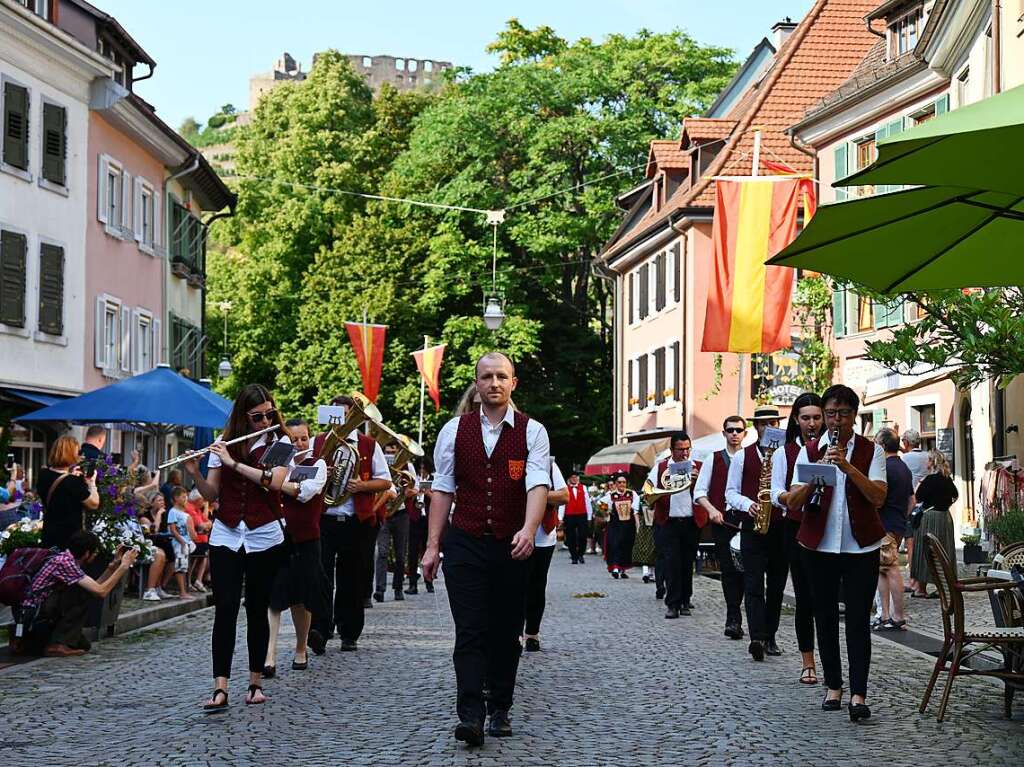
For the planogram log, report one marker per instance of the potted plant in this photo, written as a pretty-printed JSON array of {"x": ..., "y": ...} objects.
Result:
[
  {"x": 973, "y": 553},
  {"x": 1007, "y": 527}
]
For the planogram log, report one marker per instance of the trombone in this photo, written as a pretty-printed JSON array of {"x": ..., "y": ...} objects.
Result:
[{"x": 203, "y": 451}]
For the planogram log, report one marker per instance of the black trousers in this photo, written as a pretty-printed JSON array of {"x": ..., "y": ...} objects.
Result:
[
  {"x": 801, "y": 589},
  {"x": 417, "y": 545},
  {"x": 858, "y": 574},
  {"x": 576, "y": 527},
  {"x": 732, "y": 579},
  {"x": 345, "y": 546},
  {"x": 677, "y": 550},
  {"x": 395, "y": 530},
  {"x": 487, "y": 593},
  {"x": 765, "y": 570},
  {"x": 228, "y": 571},
  {"x": 537, "y": 567}
]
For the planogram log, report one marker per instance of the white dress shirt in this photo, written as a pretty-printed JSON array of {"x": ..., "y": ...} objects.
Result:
[
  {"x": 679, "y": 505},
  {"x": 779, "y": 469},
  {"x": 734, "y": 499},
  {"x": 838, "y": 537},
  {"x": 543, "y": 539},
  {"x": 379, "y": 470},
  {"x": 538, "y": 451},
  {"x": 587, "y": 502},
  {"x": 258, "y": 539}
]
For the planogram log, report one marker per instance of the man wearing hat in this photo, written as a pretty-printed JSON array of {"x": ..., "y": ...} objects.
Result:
[{"x": 764, "y": 556}]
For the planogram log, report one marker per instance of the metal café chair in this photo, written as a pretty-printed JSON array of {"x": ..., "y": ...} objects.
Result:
[{"x": 960, "y": 642}]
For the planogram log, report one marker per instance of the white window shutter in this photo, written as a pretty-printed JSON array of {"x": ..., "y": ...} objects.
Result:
[
  {"x": 635, "y": 297},
  {"x": 137, "y": 209},
  {"x": 670, "y": 369},
  {"x": 157, "y": 218},
  {"x": 126, "y": 201},
  {"x": 636, "y": 381},
  {"x": 652, "y": 378},
  {"x": 101, "y": 323},
  {"x": 136, "y": 346},
  {"x": 101, "y": 189},
  {"x": 670, "y": 271},
  {"x": 652, "y": 287},
  {"x": 157, "y": 343},
  {"x": 126, "y": 339}
]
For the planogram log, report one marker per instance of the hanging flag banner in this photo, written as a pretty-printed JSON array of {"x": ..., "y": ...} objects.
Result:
[
  {"x": 749, "y": 304},
  {"x": 429, "y": 363},
  {"x": 368, "y": 344},
  {"x": 808, "y": 195}
]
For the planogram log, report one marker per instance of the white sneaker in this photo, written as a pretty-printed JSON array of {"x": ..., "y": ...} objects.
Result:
[
  {"x": 199, "y": 587},
  {"x": 151, "y": 595},
  {"x": 163, "y": 594}
]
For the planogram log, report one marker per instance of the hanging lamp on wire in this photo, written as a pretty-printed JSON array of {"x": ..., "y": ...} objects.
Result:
[{"x": 494, "y": 301}]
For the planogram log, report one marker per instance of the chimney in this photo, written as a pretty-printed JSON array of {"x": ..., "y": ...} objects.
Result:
[{"x": 781, "y": 30}]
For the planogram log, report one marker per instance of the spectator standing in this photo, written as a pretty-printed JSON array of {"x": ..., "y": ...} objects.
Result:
[
  {"x": 173, "y": 481},
  {"x": 917, "y": 461},
  {"x": 65, "y": 492},
  {"x": 95, "y": 441},
  {"x": 179, "y": 524},
  {"x": 936, "y": 494},
  {"x": 899, "y": 496},
  {"x": 196, "y": 508}
]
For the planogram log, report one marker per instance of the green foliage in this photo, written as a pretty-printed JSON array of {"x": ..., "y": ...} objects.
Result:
[
  {"x": 228, "y": 109},
  {"x": 1008, "y": 527},
  {"x": 812, "y": 307},
  {"x": 189, "y": 128},
  {"x": 216, "y": 121},
  {"x": 970, "y": 335},
  {"x": 553, "y": 117}
]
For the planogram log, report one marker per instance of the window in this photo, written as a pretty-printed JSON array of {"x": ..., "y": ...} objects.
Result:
[
  {"x": 184, "y": 344},
  {"x": 865, "y": 156},
  {"x": 428, "y": 66},
  {"x": 15, "y": 127},
  {"x": 642, "y": 374},
  {"x": 144, "y": 341},
  {"x": 147, "y": 212},
  {"x": 644, "y": 299},
  {"x": 114, "y": 196},
  {"x": 903, "y": 33},
  {"x": 630, "y": 401},
  {"x": 55, "y": 143},
  {"x": 38, "y": 7},
  {"x": 659, "y": 289},
  {"x": 413, "y": 65},
  {"x": 400, "y": 64},
  {"x": 659, "y": 376},
  {"x": 838, "y": 311},
  {"x": 922, "y": 418},
  {"x": 13, "y": 259},
  {"x": 888, "y": 314},
  {"x": 865, "y": 314},
  {"x": 187, "y": 240},
  {"x": 367, "y": 62},
  {"x": 51, "y": 289},
  {"x": 108, "y": 340}
]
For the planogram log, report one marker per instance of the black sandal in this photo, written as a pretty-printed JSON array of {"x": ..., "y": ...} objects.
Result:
[
  {"x": 213, "y": 705},
  {"x": 252, "y": 692},
  {"x": 809, "y": 675}
]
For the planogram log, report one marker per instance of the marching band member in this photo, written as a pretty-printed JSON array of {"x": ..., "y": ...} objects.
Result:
[
  {"x": 805, "y": 424},
  {"x": 496, "y": 461},
  {"x": 419, "y": 513},
  {"x": 710, "y": 494},
  {"x": 395, "y": 529},
  {"x": 300, "y": 581},
  {"x": 540, "y": 560},
  {"x": 623, "y": 505},
  {"x": 841, "y": 537},
  {"x": 677, "y": 531},
  {"x": 348, "y": 533},
  {"x": 576, "y": 516},
  {"x": 764, "y": 556},
  {"x": 246, "y": 539}
]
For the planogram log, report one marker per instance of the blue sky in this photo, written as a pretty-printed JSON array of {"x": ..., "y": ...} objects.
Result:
[{"x": 205, "y": 51}]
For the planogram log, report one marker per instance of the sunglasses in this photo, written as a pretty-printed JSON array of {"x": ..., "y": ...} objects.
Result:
[
  {"x": 262, "y": 415},
  {"x": 734, "y": 430}
]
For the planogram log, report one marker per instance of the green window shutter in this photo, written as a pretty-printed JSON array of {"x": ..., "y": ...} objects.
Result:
[
  {"x": 895, "y": 127},
  {"x": 841, "y": 169},
  {"x": 839, "y": 311},
  {"x": 880, "y": 135},
  {"x": 888, "y": 314},
  {"x": 54, "y": 144},
  {"x": 942, "y": 105},
  {"x": 51, "y": 289},
  {"x": 15, "y": 149},
  {"x": 13, "y": 251}
]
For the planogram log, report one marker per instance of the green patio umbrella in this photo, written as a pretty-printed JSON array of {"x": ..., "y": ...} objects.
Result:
[
  {"x": 979, "y": 146},
  {"x": 927, "y": 238}
]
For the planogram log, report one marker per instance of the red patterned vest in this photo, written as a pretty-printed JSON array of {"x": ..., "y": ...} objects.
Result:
[
  {"x": 663, "y": 507},
  {"x": 303, "y": 519},
  {"x": 363, "y": 502},
  {"x": 490, "y": 493},
  {"x": 792, "y": 452},
  {"x": 864, "y": 519},
  {"x": 716, "y": 487},
  {"x": 244, "y": 501},
  {"x": 751, "y": 481}
]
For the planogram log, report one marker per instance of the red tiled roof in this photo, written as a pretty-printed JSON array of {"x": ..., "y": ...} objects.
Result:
[
  {"x": 666, "y": 154},
  {"x": 700, "y": 130},
  {"x": 820, "y": 54}
]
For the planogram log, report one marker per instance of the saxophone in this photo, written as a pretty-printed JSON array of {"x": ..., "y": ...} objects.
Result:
[{"x": 763, "y": 514}]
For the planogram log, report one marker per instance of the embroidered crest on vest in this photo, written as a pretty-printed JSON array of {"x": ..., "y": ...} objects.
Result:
[{"x": 516, "y": 470}]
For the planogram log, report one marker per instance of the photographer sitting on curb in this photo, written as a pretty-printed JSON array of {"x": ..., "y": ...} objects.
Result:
[{"x": 61, "y": 591}]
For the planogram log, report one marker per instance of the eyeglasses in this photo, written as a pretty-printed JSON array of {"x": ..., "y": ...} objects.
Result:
[
  {"x": 845, "y": 412},
  {"x": 734, "y": 430},
  {"x": 262, "y": 415}
]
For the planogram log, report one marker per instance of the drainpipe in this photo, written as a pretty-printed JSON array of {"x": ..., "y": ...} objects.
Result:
[
  {"x": 602, "y": 272},
  {"x": 872, "y": 30},
  {"x": 997, "y": 46},
  {"x": 167, "y": 249},
  {"x": 202, "y": 299},
  {"x": 148, "y": 75}
]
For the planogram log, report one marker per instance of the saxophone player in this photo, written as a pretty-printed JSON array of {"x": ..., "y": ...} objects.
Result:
[{"x": 765, "y": 568}]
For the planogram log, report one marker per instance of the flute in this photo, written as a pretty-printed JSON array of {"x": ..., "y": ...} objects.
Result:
[{"x": 203, "y": 451}]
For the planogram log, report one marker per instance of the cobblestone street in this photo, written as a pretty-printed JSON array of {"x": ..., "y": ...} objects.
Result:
[{"x": 616, "y": 684}]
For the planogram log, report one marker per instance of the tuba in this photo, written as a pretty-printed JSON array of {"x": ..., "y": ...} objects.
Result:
[
  {"x": 343, "y": 459},
  {"x": 401, "y": 477}
]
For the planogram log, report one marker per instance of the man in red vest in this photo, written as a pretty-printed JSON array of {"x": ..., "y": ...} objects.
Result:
[
  {"x": 576, "y": 518},
  {"x": 710, "y": 493},
  {"x": 677, "y": 528},
  {"x": 495, "y": 464},
  {"x": 347, "y": 536},
  {"x": 765, "y": 566}
]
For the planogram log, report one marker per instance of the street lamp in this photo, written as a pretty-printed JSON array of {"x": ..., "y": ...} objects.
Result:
[
  {"x": 224, "y": 368},
  {"x": 494, "y": 312},
  {"x": 494, "y": 303}
]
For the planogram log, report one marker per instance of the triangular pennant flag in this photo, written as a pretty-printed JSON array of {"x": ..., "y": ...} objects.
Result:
[
  {"x": 429, "y": 363},
  {"x": 368, "y": 344}
]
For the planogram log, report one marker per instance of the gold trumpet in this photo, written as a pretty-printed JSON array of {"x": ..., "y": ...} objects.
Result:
[
  {"x": 406, "y": 450},
  {"x": 343, "y": 459}
]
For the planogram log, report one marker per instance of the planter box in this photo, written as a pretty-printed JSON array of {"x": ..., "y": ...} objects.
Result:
[
  {"x": 974, "y": 554},
  {"x": 103, "y": 613}
]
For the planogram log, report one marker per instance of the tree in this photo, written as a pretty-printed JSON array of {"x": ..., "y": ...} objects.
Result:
[
  {"x": 189, "y": 127},
  {"x": 228, "y": 109}
]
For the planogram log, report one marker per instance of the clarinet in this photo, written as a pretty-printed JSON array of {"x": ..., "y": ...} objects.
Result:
[{"x": 814, "y": 504}]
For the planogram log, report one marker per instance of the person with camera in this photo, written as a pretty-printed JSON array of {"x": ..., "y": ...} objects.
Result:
[
  {"x": 61, "y": 591},
  {"x": 66, "y": 491}
]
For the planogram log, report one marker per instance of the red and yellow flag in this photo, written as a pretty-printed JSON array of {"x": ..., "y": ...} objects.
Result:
[
  {"x": 808, "y": 196},
  {"x": 748, "y": 307},
  {"x": 368, "y": 344},
  {"x": 429, "y": 363}
]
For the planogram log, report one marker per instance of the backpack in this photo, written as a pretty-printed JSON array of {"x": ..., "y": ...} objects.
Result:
[{"x": 19, "y": 571}]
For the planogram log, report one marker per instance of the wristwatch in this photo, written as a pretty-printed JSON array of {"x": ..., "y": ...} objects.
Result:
[{"x": 266, "y": 477}]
